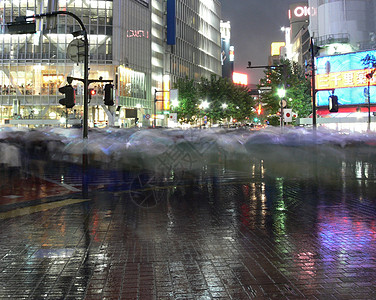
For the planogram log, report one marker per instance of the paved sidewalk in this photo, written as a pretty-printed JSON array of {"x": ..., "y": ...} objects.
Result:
[{"x": 208, "y": 235}]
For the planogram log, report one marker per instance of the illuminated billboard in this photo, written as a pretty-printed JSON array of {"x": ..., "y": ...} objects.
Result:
[
  {"x": 240, "y": 78},
  {"x": 346, "y": 74},
  {"x": 276, "y": 48},
  {"x": 227, "y": 59}
]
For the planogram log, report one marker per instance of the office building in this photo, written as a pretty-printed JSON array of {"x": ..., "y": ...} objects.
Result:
[{"x": 142, "y": 46}]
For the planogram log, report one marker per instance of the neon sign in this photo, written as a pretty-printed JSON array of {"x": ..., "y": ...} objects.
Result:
[
  {"x": 137, "y": 33},
  {"x": 302, "y": 11},
  {"x": 354, "y": 78},
  {"x": 239, "y": 78}
]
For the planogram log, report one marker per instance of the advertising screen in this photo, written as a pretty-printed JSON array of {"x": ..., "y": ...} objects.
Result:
[
  {"x": 227, "y": 58},
  {"x": 240, "y": 78},
  {"x": 346, "y": 74}
]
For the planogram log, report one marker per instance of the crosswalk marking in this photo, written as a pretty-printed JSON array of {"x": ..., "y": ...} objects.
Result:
[{"x": 40, "y": 207}]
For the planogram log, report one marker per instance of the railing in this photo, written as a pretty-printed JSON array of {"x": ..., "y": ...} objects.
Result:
[{"x": 333, "y": 38}]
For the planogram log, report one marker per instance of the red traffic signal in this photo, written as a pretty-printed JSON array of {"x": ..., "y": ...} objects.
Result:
[{"x": 92, "y": 92}]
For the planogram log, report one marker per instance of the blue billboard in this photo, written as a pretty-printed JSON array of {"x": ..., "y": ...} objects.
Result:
[{"x": 347, "y": 75}]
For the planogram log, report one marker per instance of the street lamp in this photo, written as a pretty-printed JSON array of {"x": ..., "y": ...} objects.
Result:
[
  {"x": 175, "y": 103},
  {"x": 224, "y": 107},
  {"x": 281, "y": 92},
  {"x": 204, "y": 105}
]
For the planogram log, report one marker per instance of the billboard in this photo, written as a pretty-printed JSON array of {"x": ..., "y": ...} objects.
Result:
[
  {"x": 240, "y": 78},
  {"x": 346, "y": 74},
  {"x": 171, "y": 22},
  {"x": 299, "y": 14},
  {"x": 227, "y": 58}
]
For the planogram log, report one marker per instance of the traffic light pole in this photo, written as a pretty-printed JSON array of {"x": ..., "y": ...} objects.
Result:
[
  {"x": 284, "y": 83},
  {"x": 313, "y": 84},
  {"x": 86, "y": 59},
  {"x": 85, "y": 188},
  {"x": 155, "y": 106},
  {"x": 369, "y": 77}
]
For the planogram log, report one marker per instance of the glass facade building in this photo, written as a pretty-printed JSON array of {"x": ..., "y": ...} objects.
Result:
[
  {"x": 343, "y": 26},
  {"x": 127, "y": 44}
]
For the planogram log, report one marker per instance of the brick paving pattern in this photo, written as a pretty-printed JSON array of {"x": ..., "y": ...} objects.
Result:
[{"x": 209, "y": 236}]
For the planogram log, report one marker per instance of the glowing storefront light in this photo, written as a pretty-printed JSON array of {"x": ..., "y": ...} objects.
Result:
[{"x": 166, "y": 93}]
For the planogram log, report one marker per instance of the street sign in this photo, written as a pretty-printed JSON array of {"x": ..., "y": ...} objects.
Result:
[
  {"x": 174, "y": 117},
  {"x": 76, "y": 50},
  {"x": 174, "y": 95},
  {"x": 147, "y": 116},
  {"x": 284, "y": 103},
  {"x": 287, "y": 115},
  {"x": 265, "y": 88}
]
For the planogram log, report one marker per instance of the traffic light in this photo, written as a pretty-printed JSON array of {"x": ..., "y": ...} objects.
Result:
[
  {"x": 333, "y": 103},
  {"x": 92, "y": 92},
  {"x": 108, "y": 94},
  {"x": 70, "y": 96},
  {"x": 21, "y": 26}
]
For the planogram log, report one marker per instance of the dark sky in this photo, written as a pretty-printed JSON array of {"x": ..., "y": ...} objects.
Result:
[{"x": 255, "y": 24}]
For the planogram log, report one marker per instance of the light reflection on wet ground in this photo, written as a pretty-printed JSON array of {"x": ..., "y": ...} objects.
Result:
[{"x": 257, "y": 228}]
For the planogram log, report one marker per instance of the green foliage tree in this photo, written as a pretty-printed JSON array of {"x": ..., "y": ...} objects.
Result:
[
  {"x": 217, "y": 92},
  {"x": 297, "y": 86},
  {"x": 188, "y": 98}
]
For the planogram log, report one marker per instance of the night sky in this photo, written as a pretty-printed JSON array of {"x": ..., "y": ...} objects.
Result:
[{"x": 255, "y": 24}]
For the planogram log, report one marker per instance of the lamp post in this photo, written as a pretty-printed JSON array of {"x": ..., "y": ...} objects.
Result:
[
  {"x": 204, "y": 105},
  {"x": 224, "y": 107}
]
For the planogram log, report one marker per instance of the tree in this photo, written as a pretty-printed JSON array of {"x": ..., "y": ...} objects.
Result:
[
  {"x": 226, "y": 99},
  {"x": 188, "y": 98},
  {"x": 297, "y": 87}
]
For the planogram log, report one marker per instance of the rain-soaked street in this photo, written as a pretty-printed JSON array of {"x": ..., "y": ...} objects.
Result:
[{"x": 199, "y": 215}]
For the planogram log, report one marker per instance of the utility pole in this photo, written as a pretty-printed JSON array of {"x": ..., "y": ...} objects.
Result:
[
  {"x": 313, "y": 85},
  {"x": 369, "y": 77}
]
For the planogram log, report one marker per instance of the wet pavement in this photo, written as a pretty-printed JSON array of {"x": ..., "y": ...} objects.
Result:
[
  {"x": 250, "y": 231},
  {"x": 215, "y": 235}
]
